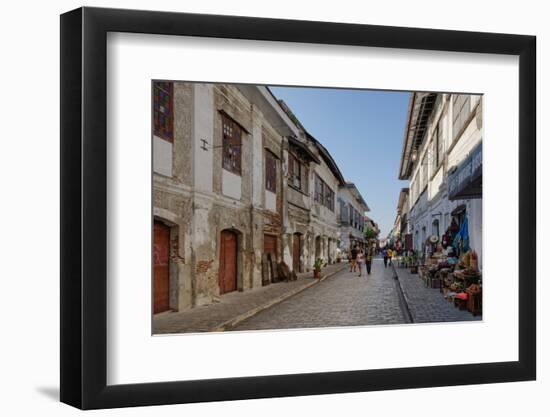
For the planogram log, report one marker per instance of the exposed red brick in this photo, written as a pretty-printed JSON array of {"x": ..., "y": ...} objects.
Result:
[{"x": 204, "y": 266}]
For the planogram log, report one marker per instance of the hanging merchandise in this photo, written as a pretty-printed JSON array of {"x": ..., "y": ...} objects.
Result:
[
  {"x": 446, "y": 239},
  {"x": 453, "y": 228},
  {"x": 461, "y": 241}
]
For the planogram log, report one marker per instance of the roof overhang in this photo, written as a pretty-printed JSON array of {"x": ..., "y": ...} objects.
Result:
[
  {"x": 328, "y": 159},
  {"x": 262, "y": 98},
  {"x": 357, "y": 195},
  {"x": 420, "y": 108},
  {"x": 402, "y": 198},
  {"x": 304, "y": 148}
]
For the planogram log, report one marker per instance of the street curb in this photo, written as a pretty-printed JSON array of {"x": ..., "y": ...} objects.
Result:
[
  {"x": 404, "y": 295},
  {"x": 227, "y": 325}
]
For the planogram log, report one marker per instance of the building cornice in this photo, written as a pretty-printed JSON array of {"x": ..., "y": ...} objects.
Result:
[{"x": 420, "y": 108}]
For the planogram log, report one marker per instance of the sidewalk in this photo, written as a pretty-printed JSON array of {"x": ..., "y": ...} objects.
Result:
[
  {"x": 237, "y": 306},
  {"x": 427, "y": 305}
]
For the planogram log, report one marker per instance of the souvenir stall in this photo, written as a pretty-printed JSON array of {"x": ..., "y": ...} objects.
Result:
[{"x": 452, "y": 267}]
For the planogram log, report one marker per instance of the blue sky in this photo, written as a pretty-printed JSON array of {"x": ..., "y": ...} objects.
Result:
[{"x": 363, "y": 131}]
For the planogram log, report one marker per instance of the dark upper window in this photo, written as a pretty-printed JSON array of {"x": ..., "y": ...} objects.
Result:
[
  {"x": 294, "y": 171},
  {"x": 231, "y": 145},
  {"x": 270, "y": 172},
  {"x": 318, "y": 196},
  {"x": 163, "y": 110},
  {"x": 344, "y": 212},
  {"x": 297, "y": 173},
  {"x": 323, "y": 193}
]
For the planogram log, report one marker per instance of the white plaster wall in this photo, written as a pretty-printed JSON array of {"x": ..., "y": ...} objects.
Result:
[
  {"x": 162, "y": 156},
  {"x": 257, "y": 160},
  {"x": 287, "y": 251},
  {"x": 475, "y": 230},
  {"x": 270, "y": 200},
  {"x": 473, "y": 101},
  {"x": 231, "y": 184},
  {"x": 469, "y": 139},
  {"x": 203, "y": 125},
  {"x": 435, "y": 183}
]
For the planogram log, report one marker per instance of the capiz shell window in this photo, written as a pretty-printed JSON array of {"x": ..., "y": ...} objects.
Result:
[
  {"x": 294, "y": 172},
  {"x": 270, "y": 172},
  {"x": 324, "y": 194},
  {"x": 231, "y": 147},
  {"x": 163, "y": 110}
]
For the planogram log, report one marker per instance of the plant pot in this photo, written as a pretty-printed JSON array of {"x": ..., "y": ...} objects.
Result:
[
  {"x": 414, "y": 269},
  {"x": 317, "y": 273}
]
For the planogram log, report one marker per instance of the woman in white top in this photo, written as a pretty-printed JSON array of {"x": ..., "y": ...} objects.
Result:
[{"x": 360, "y": 261}]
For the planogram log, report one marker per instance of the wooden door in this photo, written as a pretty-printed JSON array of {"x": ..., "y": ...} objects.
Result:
[
  {"x": 227, "y": 276},
  {"x": 296, "y": 250},
  {"x": 270, "y": 246},
  {"x": 161, "y": 262},
  {"x": 270, "y": 252}
]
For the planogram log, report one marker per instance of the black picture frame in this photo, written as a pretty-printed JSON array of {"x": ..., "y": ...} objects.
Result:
[{"x": 84, "y": 207}]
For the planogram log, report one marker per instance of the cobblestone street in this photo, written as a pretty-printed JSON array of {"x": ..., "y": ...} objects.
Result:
[
  {"x": 348, "y": 300},
  {"x": 427, "y": 305},
  {"x": 342, "y": 300},
  {"x": 234, "y": 306}
]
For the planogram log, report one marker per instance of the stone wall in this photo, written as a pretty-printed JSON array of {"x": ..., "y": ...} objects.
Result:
[{"x": 192, "y": 200}]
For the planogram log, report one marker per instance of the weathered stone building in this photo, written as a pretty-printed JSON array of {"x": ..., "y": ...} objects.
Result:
[
  {"x": 217, "y": 189},
  {"x": 351, "y": 212},
  {"x": 298, "y": 236},
  {"x": 311, "y": 180},
  {"x": 401, "y": 230},
  {"x": 326, "y": 180},
  {"x": 240, "y": 190}
]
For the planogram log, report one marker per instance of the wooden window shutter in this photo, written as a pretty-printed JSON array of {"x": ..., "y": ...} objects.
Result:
[
  {"x": 163, "y": 110},
  {"x": 270, "y": 172},
  {"x": 231, "y": 145}
]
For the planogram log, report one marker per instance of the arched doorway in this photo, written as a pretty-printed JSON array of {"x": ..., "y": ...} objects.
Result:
[
  {"x": 296, "y": 252},
  {"x": 435, "y": 228},
  {"x": 227, "y": 273},
  {"x": 161, "y": 267}
]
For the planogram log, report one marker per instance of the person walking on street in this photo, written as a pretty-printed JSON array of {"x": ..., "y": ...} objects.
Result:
[
  {"x": 385, "y": 255},
  {"x": 390, "y": 254},
  {"x": 360, "y": 261},
  {"x": 353, "y": 259},
  {"x": 368, "y": 258}
]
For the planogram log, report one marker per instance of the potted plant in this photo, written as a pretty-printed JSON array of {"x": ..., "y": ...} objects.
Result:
[{"x": 317, "y": 268}]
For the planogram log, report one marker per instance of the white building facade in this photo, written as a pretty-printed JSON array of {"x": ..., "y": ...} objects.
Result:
[{"x": 442, "y": 159}]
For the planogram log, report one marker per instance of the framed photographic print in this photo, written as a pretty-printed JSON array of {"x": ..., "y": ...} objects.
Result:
[{"x": 257, "y": 208}]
